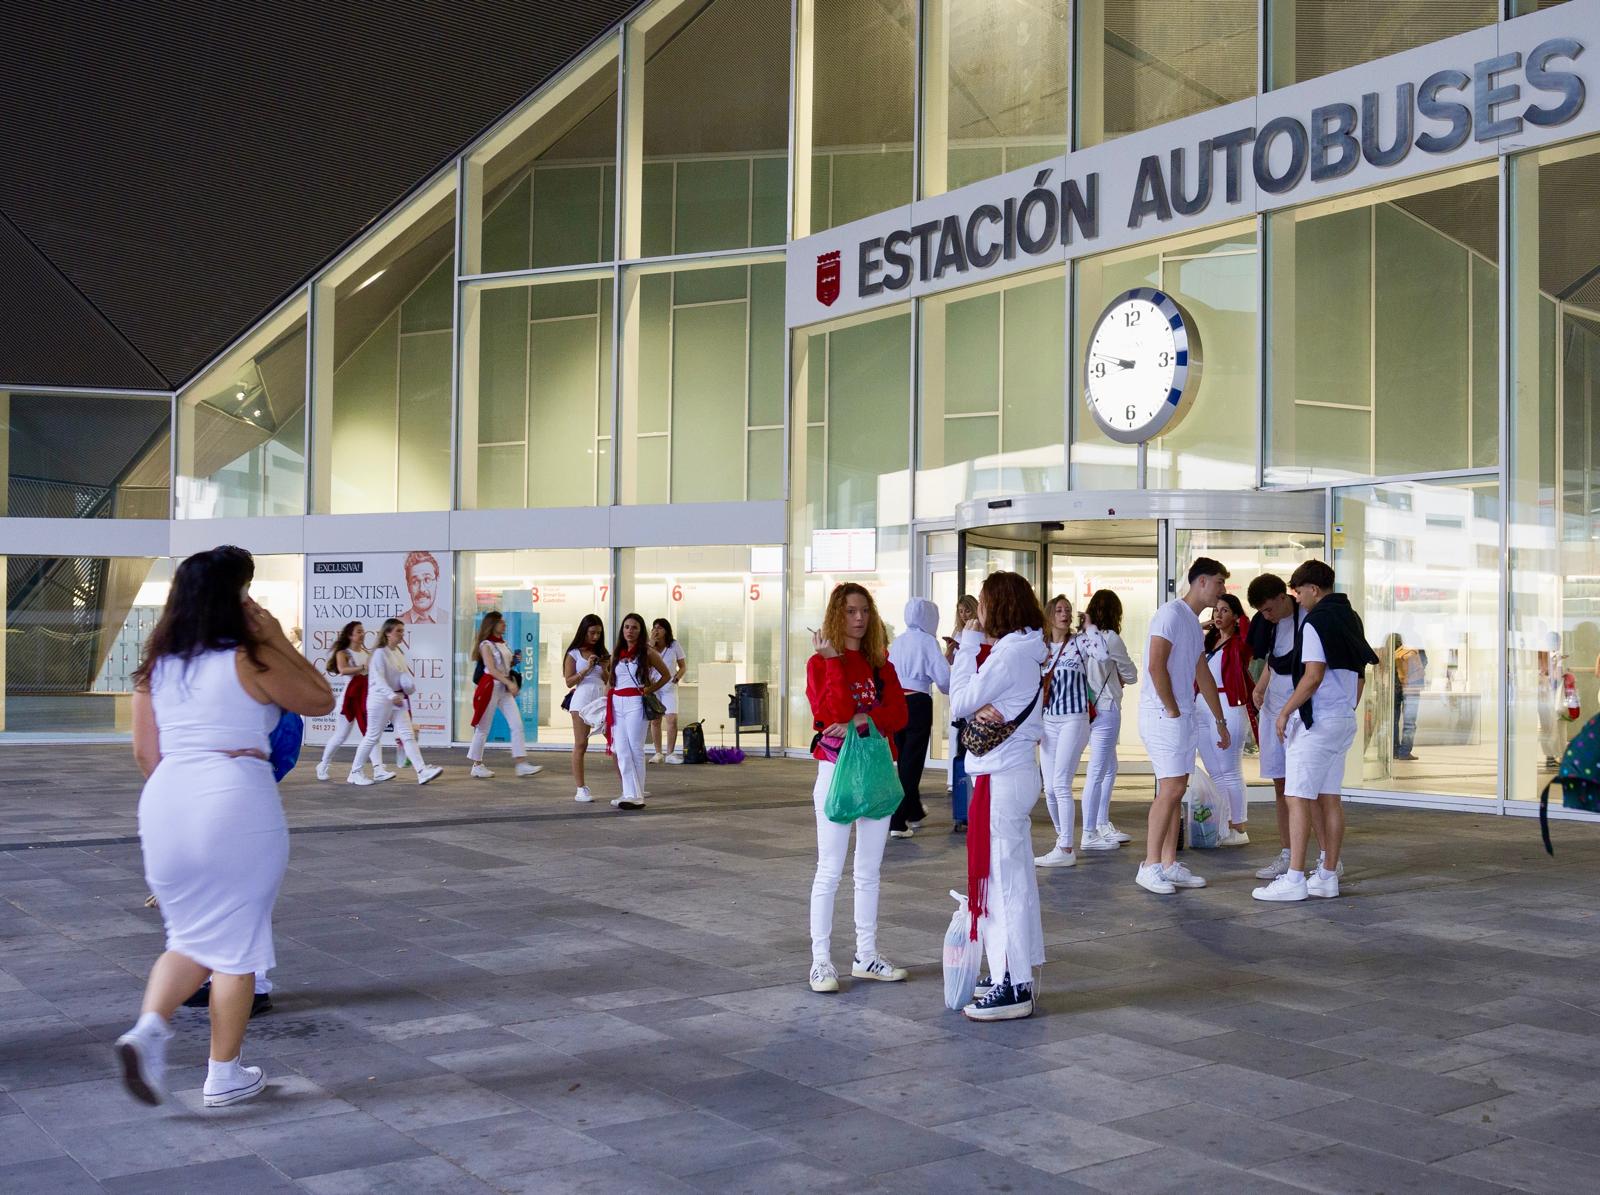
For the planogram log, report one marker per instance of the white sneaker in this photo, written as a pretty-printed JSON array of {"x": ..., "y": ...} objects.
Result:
[
  {"x": 380, "y": 774},
  {"x": 880, "y": 969},
  {"x": 1152, "y": 879},
  {"x": 1057, "y": 858},
  {"x": 1107, "y": 830},
  {"x": 1180, "y": 876},
  {"x": 1276, "y": 868},
  {"x": 361, "y": 779},
  {"x": 657, "y": 758},
  {"x": 1324, "y": 884},
  {"x": 142, "y": 1052},
  {"x": 1284, "y": 888},
  {"x": 582, "y": 796},
  {"x": 528, "y": 769},
  {"x": 1322, "y": 864},
  {"x": 824, "y": 978},
  {"x": 675, "y": 757},
  {"x": 627, "y": 803},
  {"x": 908, "y": 832},
  {"x": 1232, "y": 837},
  {"x": 479, "y": 772},
  {"x": 429, "y": 773},
  {"x": 322, "y": 771},
  {"x": 1096, "y": 841},
  {"x": 245, "y": 1083}
]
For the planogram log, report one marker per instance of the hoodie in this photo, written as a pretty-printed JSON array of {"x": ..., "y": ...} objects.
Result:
[
  {"x": 915, "y": 651},
  {"x": 1010, "y": 678}
]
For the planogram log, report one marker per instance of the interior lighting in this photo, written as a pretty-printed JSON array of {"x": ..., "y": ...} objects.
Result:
[
  {"x": 240, "y": 395},
  {"x": 371, "y": 280}
]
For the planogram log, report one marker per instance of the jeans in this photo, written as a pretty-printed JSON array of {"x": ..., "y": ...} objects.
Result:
[
  {"x": 1225, "y": 767},
  {"x": 337, "y": 740},
  {"x": 1012, "y": 931},
  {"x": 380, "y": 711},
  {"x": 1405, "y": 722},
  {"x": 1060, "y": 750},
  {"x": 1102, "y": 771},
  {"x": 911, "y": 751},
  {"x": 507, "y": 705},
  {"x": 833, "y": 841}
]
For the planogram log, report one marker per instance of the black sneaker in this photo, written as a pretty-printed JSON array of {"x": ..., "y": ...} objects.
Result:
[
  {"x": 958, "y": 827},
  {"x": 1003, "y": 1002},
  {"x": 982, "y": 987}
]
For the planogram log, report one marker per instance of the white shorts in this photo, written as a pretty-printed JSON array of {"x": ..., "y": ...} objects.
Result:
[
  {"x": 668, "y": 696},
  {"x": 1170, "y": 742},
  {"x": 1271, "y": 757},
  {"x": 1314, "y": 757}
]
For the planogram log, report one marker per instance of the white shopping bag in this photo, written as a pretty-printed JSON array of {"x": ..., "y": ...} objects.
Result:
[
  {"x": 962, "y": 957},
  {"x": 1204, "y": 810},
  {"x": 594, "y": 713}
]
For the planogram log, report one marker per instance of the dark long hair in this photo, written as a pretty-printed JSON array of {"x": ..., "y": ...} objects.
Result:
[
  {"x": 342, "y": 643},
  {"x": 665, "y": 625},
  {"x": 1105, "y": 610},
  {"x": 1010, "y": 605},
  {"x": 643, "y": 653},
  {"x": 489, "y": 619},
  {"x": 581, "y": 639},
  {"x": 204, "y": 612},
  {"x": 1241, "y": 623}
]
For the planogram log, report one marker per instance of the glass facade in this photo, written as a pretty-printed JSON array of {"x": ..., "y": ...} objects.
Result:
[
  {"x": 1305, "y": 40},
  {"x": 86, "y": 456}
]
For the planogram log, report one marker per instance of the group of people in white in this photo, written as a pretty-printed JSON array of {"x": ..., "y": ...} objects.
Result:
[{"x": 1041, "y": 689}]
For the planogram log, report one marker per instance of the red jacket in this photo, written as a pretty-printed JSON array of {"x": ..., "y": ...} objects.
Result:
[
  {"x": 1236, "y": 686},
  {"x": 844, "y": 686}
]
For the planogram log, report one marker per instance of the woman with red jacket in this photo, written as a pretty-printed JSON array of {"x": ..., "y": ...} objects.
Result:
[
  {"x": 849, "y": 682},
  {"x": 1228, "y": 651}
]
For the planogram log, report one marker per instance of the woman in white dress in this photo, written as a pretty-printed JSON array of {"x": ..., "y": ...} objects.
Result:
[
  {"x": 585, "y": 670},
  {"x": 637, "y": 670},
  {"x": 497, "y": 691},
  {"x": 390, "y": 684},
  {"x": 349, "y": 659},
  {"x": 672, "y": 655},
  {"x": 218, "y": 670}
]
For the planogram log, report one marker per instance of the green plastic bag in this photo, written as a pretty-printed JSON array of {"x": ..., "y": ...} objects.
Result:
[{"x": 865, "y": 783}]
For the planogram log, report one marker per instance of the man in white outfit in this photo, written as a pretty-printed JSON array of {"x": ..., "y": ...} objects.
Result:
[{"x": 1175, "y": 666}]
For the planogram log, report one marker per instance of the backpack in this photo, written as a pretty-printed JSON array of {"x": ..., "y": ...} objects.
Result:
[
  {"x": 694, "y": 743},
  {"x": 1578, "y": 776}
]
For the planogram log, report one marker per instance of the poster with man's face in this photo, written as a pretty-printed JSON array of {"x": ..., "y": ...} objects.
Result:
[{"x": 369, "y": 588}]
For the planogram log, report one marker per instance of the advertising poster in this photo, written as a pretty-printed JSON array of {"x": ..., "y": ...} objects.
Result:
[{"x": 414, "y": 587}]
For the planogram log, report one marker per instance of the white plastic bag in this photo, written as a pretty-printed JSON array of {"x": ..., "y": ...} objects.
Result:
[
  {"x": 1205, "y": 812},
  {"x": 962, "y": 957},
  {"x": 594, "y": 713}
]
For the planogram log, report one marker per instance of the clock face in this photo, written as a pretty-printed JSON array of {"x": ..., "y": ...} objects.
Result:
[{"x": 1143, "y": 366}]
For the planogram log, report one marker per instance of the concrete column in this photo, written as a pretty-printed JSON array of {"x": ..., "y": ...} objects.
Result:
[
  {"x": 1090, "y": 62},
  {"x": 936, "y": 97}
]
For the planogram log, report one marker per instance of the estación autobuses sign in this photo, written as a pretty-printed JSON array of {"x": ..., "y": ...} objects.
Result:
[{"x": 1492, "y": 91}]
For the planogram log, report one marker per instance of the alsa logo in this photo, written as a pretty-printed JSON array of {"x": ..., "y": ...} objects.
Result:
[{"x": 828, "y": 278}]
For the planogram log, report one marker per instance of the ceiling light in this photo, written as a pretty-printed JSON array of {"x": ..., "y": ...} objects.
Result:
[
  {"x": 256, "y": 412},
  {"x": 240, "y": 396},
  {"x": 370, "y": 281}
]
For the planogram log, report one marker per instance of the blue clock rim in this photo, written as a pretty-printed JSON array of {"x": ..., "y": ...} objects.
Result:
[{"x": 1174, "y": 314}]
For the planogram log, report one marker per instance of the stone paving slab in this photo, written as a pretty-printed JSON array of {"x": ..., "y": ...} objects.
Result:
[{"x": 483, "y": 987}]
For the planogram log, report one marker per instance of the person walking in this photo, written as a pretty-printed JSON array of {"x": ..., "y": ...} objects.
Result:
[
  {"x": 1317, "y": 726},
  {"x": 1066, "y": 727},
  {"x": 349, "y": 659},
  {"x": 637, "y": 670},
  {"x": 672, "y": 655},
  {"x": 1175, "y": 669},
  {"x": 1110, "y": 668},
  {"x": 850, "y": 682},
  {"x": 1228, "y": 656},
  {"x": 1410, "y": 676},
  {"x": 921, "y": 667},
  {"x": 1005, "y": 691},
  {"x": 496, "y": 691},
  {"x": 584, "y": 669},
  {"x": 216, "y": 675},
  {"x": 390, "y": 684}
]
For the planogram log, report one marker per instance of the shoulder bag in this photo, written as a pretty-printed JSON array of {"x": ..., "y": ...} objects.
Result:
[{"x": 980, "y": 738}]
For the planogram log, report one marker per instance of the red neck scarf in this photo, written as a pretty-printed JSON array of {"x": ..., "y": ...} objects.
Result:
[{"x": 978, "y": 838}]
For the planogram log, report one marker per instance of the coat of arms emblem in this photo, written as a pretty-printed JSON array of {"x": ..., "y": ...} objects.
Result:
[{"x": 828, "y": 278}]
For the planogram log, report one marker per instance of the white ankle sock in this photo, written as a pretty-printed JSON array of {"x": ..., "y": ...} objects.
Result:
[
  {"x": 1323, "y": 873},
  {"x": 221, "y": 1071},
  {"x": 151, "y": 1024},
  {"x": 1298, "y": 877}
]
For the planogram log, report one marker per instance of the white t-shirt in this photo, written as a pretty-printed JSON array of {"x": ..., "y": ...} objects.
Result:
[
  {"x": 1281, "y": 685},
  {"x": 1177, "y": 624},
  {"x": 1214, "y": 661},
  {"x": 1337, "y": 692},
  {"x": 670, "y": 658}
]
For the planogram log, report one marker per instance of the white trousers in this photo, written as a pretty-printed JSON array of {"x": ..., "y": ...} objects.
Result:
[
  {"x": 507, "y": 705},
  {"x": 340, "y": 735},
  {"x": 1060, "y": 750},
  {"x": 627, "y": 743},
  {"x": 1102, "y": 772},
  {"x": 833, "y": 841},
  {"x": 1012, "y": 931},
  {"x": 380, "y": 710},
  {"x": 1225, "y": 767}
]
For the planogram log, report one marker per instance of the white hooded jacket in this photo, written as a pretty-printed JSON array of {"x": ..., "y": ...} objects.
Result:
[
  {"x": 1010, "y": 678},
  {"x": 915, "y": 652}
]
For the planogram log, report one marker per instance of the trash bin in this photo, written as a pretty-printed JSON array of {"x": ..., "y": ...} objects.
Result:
[{"x": 748, "y": 708}]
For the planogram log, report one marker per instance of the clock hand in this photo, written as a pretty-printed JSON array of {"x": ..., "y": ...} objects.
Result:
[{"x": 1119, "y": 362}]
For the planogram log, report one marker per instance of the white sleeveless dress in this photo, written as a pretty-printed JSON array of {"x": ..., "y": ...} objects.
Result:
[{"x": 212, "y": 827}]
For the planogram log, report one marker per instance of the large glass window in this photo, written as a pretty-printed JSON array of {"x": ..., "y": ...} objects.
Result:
[
  {"x": 1553, "y": 459},
  {"x": 1421, "y": 563},
  {"x": 849, "y": 481},
  {"x": 381, "y": 433},
  {"x": 1307, "y": 38},
  {"x": 715, "y": 172},
  {"x": 726, "y": 610},
  {"x": 71, "y": 456},
  {"x": 703, "y": 403},
  {"x": 545, "y": 593},
  {"x": 242, "y": 427},
  {"x": 1141, "y": 63},
  {"x": 541, "y": 190},
  {"x": 536, "y": 392},
  {"x": 994, "y": 88},
  {"x": 1212, "y": 276},
  {"x": 990, "y": 414},
  {"x": 1383, "y": 333},
  {"x": 855, "y": 110}
]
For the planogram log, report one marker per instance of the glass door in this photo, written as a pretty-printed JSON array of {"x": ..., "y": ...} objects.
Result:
[{"x": 941, "y": 583}]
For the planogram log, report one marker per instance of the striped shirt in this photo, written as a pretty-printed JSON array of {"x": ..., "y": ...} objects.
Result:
[{"x": 1069, "y": 683}]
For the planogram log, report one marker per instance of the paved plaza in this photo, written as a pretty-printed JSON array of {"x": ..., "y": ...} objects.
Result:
[{"x": 484, "y": 987}]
